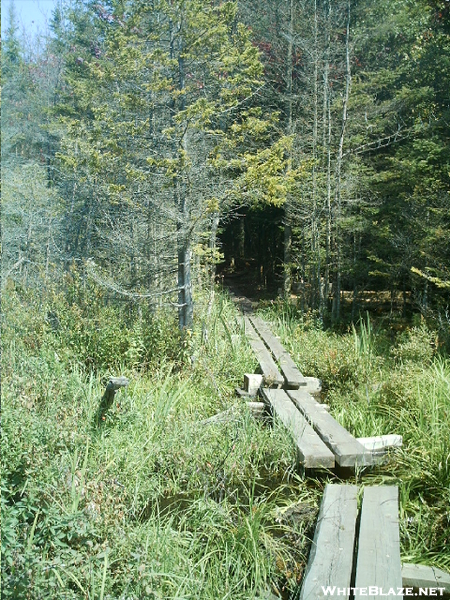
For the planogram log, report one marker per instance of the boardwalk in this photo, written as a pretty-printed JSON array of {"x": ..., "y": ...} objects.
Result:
[
  {"x": 359, "y": 565},
  {"x": 321, "y": 441},
  {"x": 357, "y": 555},
  {"x": 312, "y": 452}
]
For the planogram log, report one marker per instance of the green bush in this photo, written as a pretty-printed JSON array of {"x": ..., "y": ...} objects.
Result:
[
  {"x": 417, "y": 345},
  {"x": 83, "y": 327}
]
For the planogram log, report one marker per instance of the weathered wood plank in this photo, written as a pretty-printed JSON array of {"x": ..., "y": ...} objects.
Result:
[
  {"x": 381, "y": 443},
  {"x": 312, "y": 451},
  {"x": 378, "y": 562},
  {"x": 313, "y": 386},
  {"x": 379, "y": 446},
  {"x": 257, "y": 408},
  {"x": 114, "y": 385},
  {"x": 348, "y": 451},
  {"x": 331, "y": 557},
  {"x": 252, "y": 383},
  {"x": 292, "y": 375},
  {"x": 422, "y": 576},
  {"x": 270, "y": 372},
  {"x": 242, "y": 393}
]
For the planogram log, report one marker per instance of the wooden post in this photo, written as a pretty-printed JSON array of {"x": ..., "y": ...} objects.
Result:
[
  {"x": 252, "y": 383},
  {"x": 114, "y": 384}
]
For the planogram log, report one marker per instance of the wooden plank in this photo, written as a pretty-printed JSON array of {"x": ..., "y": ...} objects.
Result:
[
  {"x": 378, "y": 562},
  {"x": 381, "y": 443},
  {"x": 252, "y": 383},
  {"x": 423, "y": 576},
  {"x": 114, "y": 385},
  {"x": 331, "y": 557},
  {"x": 256, "y": 408},
  {"x": 312, "y": 451},
  {"x": 242, "y": 393},
  {"x": 313, "y": 386},
  {"x": 270, "y": 372},
  {"x": 379, "y": 446},
  {"x": 292, "y": 375},
  {"x": 348, "y": 451}
]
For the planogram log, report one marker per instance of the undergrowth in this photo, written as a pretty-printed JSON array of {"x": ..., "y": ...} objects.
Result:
[
  {"x": 158, "y": 502},
  {"x": 376, "y": 384}
]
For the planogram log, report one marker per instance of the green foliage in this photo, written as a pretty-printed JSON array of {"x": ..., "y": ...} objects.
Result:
[
  {"x": 376, "y": 386},
  {"x": 398, "y": 86},
  {"x": 151, "y": 126},
  {"x": 417, "y": 345},
  {"x": 338, "y": 360},
  {"x": 79, "y": 327},
  {"x": 12, "y": 48},
  {"x": 156, "y": 502}
]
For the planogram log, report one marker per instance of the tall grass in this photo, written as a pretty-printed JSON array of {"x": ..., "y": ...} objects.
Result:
[
  {"x": 377, "y": 386},
  {"x": 154, "y": 503}
]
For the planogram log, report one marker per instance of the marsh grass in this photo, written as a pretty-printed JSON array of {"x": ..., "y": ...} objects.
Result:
[
  {"x": 377, "y": 385},
  {"x": 153, "y": 503}
]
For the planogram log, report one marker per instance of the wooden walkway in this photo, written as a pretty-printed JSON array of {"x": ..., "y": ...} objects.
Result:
[
  {"x": 270, "y": 372},
  {"x": 347, "y": 450},
  {"x": 312, "y": 452},
  {"x": 321, "y": 441},
  {"x": 354, "y": 553},
  {"x": 358, "y": 564},
  {"x": 293, "y": 379}
]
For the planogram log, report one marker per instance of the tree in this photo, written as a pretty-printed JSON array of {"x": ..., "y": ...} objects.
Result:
[
  {"x": 30, "y": 211},
  {"x": 307, "y": 52},
  {"x": 149, "y": 112},
  {"x": 404, "y": 137}
]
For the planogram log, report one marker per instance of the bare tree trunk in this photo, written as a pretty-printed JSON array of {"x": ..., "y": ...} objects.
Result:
[
  {"x": 212, "y": 268},
  {"x": 28, "y": 251},
  {"x": 338, "y": 207},
  {"x": 241, "y": 239},
  {"x": 314, "y": 227},
  {"x": 185, "y": 302},
  {"x": 327, "y": 146},
  {"x": 287, "y": 281},
  {"x": 47, "y": 249},
  {"x": 355, "y": 287}
]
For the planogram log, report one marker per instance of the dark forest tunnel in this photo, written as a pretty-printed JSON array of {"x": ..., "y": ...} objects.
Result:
[{"x": 252, "y": 244}]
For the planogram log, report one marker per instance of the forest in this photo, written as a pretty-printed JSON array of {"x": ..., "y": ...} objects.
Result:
[{"x": 160, "y": 158}]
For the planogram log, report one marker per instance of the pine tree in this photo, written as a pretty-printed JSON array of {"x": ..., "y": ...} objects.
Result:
[{"x": 148, "y": 113}]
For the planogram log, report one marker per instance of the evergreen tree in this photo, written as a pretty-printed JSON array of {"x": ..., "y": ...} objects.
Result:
[
  {"x": 404, "y": 137},
  {"x": 147, "y": 112}
]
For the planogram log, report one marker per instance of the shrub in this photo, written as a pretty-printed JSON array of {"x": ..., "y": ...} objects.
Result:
[{"x": 416, "y": 345}]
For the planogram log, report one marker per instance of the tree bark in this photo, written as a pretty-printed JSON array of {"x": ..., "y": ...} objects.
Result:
[
  {"x": 185, "y": 302},
  {"x": 338, "y": 207},
  {"x": 287, "y": 280},
  {"x": 327, "y": 146},
  {"x": 315, "y": 250}
]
